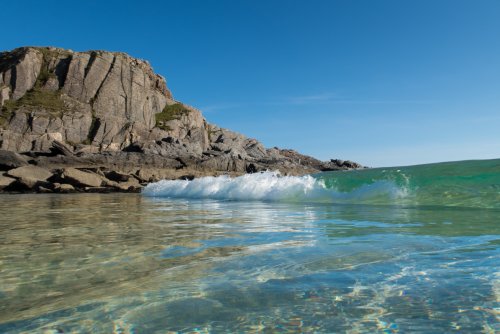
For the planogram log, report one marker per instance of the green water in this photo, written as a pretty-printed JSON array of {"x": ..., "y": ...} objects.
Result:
[
  {"x": 474, "y": 183},
  {"x": 315, "y": 262}
]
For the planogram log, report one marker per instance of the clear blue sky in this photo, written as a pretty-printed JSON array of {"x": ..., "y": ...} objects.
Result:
[{"x": 386, "y": 82}]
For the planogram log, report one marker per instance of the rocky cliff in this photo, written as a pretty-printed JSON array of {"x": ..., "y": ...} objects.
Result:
[{"x": 105, "y": 110}]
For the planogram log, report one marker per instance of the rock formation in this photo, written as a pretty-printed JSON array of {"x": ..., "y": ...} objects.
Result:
[{"x": 106, "y": 111}]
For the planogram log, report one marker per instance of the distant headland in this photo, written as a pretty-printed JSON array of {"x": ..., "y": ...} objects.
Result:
[{"x": 102, "y": 121}]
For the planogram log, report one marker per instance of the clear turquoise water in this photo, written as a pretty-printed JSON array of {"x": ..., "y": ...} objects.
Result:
[{"x": 129, "y": 263}]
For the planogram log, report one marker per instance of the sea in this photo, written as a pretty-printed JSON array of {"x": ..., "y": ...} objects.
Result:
[{"x": 387, "y": 250}]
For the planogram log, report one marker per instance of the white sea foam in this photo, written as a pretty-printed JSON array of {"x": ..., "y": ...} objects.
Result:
[{"x": 271, "y": 186}]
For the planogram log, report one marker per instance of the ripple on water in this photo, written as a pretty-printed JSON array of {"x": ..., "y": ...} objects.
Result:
[{"x": 129, "y": 264}]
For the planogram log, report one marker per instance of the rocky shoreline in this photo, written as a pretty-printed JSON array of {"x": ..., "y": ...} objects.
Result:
[
  {"x": 27, "y": 173},
  {"x": 104, "y": 121}
]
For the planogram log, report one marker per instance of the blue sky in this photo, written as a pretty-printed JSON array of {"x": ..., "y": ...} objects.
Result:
[{"x": 386, "y": 82}]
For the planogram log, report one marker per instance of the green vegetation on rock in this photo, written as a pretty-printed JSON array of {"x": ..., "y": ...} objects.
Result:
[
  {"x": 39, "y": 98},
  {"x": 170, "y": 113},
  {"x": 50, "y": 53},
  {"x": 45, "y": 72},
  {"x": 36, "y": 99},
  {"x": 5, "y": 116}
]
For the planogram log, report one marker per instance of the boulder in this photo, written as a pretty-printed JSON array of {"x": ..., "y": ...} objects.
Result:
[
  {"x": 28, "y": 184},
  {"x": 63, "y": 188},
  {"x": 62, "y": 148},
  {"x": 147, "y": 175},
  {"x": 30, "y": 172},
  {"x": 337, "y": 164},
  {"x": 130, "y": 185},
  {"x": 255, "y": 149},
  {"x": 43, "y": 190},
  {"x": 10, "y": 160},
  {"x": 6, "y": 181},
  {"x": 80, "y": 178}
]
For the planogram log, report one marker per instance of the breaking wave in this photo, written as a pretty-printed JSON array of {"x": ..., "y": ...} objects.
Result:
[
  {"x": 271, "y": 186},
  {"x": 464, "y": 184}
]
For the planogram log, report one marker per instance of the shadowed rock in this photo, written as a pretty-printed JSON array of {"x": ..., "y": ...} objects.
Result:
[
  {"x": 6, "y": 181},
  {"x": 10, "y": 160}
]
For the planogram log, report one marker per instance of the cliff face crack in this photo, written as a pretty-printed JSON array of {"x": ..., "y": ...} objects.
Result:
[
  {"x": 13, "y": 76},
  {"x": 94, "y": 127},
  {"x": 127, "y": 115},
  {"x": 94, "y": 98},
  {"x": 93, "y": 56},
  {"x": 61, "y": 70}
]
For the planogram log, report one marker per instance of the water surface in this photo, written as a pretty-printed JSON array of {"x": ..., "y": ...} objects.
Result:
[
  {"x": 409, "y": 249},
  {"x": 126, "y": 263}
]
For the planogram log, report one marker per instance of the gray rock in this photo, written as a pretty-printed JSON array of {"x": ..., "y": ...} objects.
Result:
[
  {"x": 27, "y": 182},
  {"x": 99, "y": 109},
  {"x": 10, "y": 160},
  {"x": 255, "y": 149},
  {"x": 80, "y": 178},
  {"x": 147, "y": 175},
  {"x": 6, "y": 181},
  {"x": 113, "y": 88},
  {"x": 63, "y": 188},
  {"x": 24, "y": 74},
  {"x": 30, "y": 173},
  {"x": 213, "y": 152},
  {"x": 4, "y": 94},
  {"x": 224, "y": 163},
  {"x": 131, "y": 185},
  {"x": 43, "y": 190},
  {"x": 62, "y": 148}
]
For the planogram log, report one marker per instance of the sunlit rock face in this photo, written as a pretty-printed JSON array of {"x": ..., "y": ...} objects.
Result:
[
  {"x": 101, "y": 106},
  {"x": 97, "y": 98}
]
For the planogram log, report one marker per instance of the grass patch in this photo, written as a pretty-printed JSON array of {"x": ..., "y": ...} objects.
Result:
[
  {"x": 170, "y": 113},
  {"x": 49, "y": 53},
  {"x": 37, "y": 99},
  {"x": 45, "y": 72},
  {"x": 43, "y": 77},
  {"x": 5, "y": 116}
]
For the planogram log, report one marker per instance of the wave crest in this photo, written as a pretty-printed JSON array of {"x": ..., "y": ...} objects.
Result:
[{"x": 271, "y": 186}]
